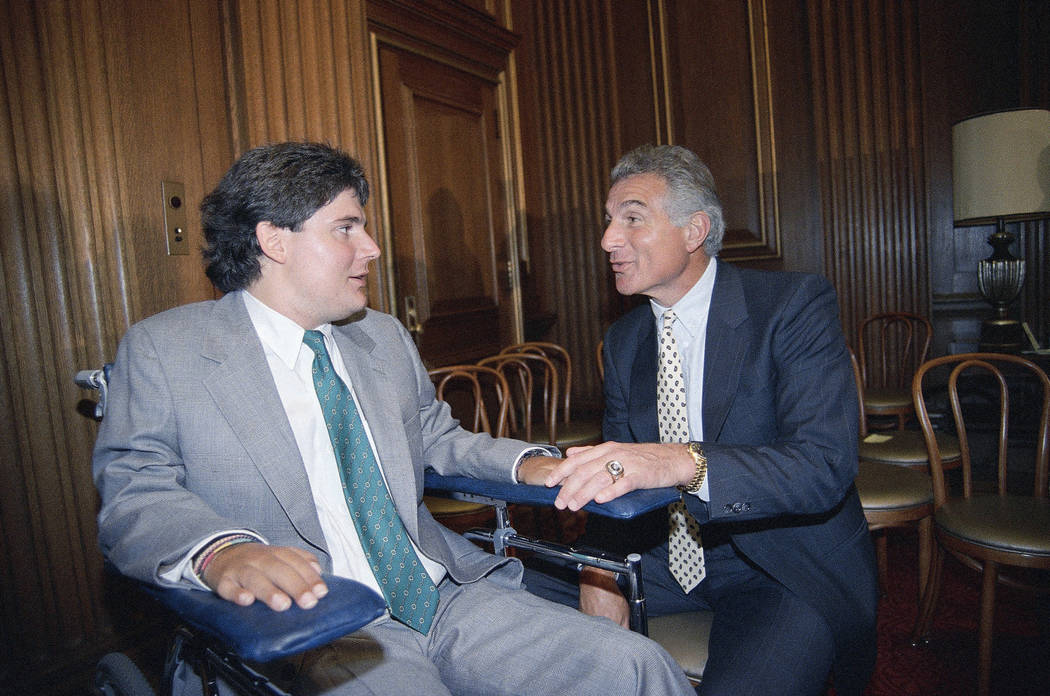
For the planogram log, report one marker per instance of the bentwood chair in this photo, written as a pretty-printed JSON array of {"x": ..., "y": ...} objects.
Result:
[
  {"x": 533, "y": 395},
  {"x": 893, "y": 496},
  {"x": 1005, "y": 531},
  {"x": 891, "y": 346},
  {"x": 479, "y": 397},
  {"x": 571, "y": 429}
]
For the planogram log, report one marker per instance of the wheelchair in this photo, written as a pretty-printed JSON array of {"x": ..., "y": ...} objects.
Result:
[{"x": 221, "y": 641}]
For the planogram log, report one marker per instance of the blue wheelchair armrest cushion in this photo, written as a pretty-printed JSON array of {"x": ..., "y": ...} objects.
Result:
[
  {"x": 259, "y": 634},
  {"x": 625, "y": 507}
]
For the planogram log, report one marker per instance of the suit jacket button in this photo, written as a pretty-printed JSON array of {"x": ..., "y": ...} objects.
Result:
[
  {"x": 747, "y": 507},
  {"x": 737, "y": 507},
  {"x": 727, "y": 508}
]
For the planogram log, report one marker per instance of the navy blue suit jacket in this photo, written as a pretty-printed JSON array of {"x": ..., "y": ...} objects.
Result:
[{"x": 780, "y": 428}]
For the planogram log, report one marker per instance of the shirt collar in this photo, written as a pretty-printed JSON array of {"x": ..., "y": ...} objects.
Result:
[
  {"x": 277, "y": 332},
  {"x": 692, "y": 308}
]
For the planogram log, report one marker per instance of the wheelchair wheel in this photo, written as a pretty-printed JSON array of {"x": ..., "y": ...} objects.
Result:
[{"x": 117, "y": 675}]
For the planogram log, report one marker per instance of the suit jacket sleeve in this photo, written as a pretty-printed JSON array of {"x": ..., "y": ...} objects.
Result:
[{"x": 149, "y": 516}]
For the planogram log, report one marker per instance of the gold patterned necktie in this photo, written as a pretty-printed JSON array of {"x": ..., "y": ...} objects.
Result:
[
  {"x": 409, "y": 591},
  {"x": 685, "y": 554}
]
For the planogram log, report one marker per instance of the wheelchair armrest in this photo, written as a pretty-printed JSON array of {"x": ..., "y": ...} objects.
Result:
[
  {"x": 260, "y": 634},
  {"x": 625, "y": 507}
]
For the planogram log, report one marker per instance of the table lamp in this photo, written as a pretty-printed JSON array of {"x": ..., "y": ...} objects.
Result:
[{"x": 1001, "y": 174}]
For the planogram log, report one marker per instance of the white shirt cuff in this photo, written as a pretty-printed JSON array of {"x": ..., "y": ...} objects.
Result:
[{"x": 549, "y": 451}]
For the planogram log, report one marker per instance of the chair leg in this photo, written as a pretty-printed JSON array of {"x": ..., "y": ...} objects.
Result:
[
  {"x": 929, "y": 600},
  {"x": 984, "y": 652},
  {"x": 925, "y": 550},
  {"x": 881, "y": 560}
]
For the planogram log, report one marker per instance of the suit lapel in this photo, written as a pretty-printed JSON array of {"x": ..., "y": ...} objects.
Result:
[
  {"x": 374, "y": 390},
  {"x": 642, "y": 395},
  {"x": 244, "y": 392},
  {"x": 724, "y": 348}
]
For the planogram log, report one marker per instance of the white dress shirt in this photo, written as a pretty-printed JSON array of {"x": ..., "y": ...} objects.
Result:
[
  {"x": 690, "y": 333},
  {"x": 291, "y": 363}
]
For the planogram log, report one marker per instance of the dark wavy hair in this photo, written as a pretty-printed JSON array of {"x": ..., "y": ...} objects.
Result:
[{"x": 282, "y": 183}]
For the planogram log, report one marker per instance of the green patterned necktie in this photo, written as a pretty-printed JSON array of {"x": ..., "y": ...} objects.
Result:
[{"x": 407, "y": 586}]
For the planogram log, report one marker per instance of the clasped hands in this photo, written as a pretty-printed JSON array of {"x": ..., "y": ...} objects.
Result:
[{"x": 583, "y": 475}]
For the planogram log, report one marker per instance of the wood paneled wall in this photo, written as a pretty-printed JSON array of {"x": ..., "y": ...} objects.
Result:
[
  {"x": 861, "y": 99},
  {"x": 719, "y": 79},
  {"x": 570, "y": 140},
  {"x": 94, "y": 116},
  {"x": 101, "y": 101},
  {"x": 300, "y": 71},
  {"x": 866, "y": 94}
]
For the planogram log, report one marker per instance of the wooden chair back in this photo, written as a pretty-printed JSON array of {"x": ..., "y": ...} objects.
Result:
[
  {"x": 985, "y": 390},
  {"x": 533, "y": 381},
  {"x": 479, "y": 396},
  {"x": 559, "y": 357},
  {"x": 891, "y": 347}
]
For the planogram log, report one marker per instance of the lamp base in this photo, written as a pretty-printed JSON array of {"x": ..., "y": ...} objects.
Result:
[{"x": 1002, "y": 336}]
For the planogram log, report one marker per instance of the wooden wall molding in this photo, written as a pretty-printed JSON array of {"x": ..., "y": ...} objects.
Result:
[{"x": 740, "y": 47}]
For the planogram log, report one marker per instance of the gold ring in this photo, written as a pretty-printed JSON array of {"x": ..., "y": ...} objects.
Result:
[{"x": 615, "y": 469}]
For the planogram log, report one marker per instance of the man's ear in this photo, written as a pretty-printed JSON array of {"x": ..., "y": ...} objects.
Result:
[
  {"x": 697, "y": 229},
  {"x": 271, "y": 240}
]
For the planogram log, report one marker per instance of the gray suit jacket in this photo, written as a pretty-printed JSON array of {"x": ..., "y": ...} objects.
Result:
[{"x": 195, "y": 441}]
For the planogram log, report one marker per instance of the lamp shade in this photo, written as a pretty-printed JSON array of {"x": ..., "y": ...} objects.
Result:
[{"x": 1001, "y": 166}]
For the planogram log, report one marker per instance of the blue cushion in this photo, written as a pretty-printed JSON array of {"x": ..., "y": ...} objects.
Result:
[
  {"x": 258, "y": 633},
  {"x": 625, "y": 507}
]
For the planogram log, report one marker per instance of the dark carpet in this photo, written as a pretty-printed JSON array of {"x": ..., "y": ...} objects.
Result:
[{"x": 947, "y": 664}]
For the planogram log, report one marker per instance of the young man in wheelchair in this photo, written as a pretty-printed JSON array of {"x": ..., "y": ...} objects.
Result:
[{"x": 255, "y": 442}]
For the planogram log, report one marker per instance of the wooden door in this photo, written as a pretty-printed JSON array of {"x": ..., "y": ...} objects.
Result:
[{"x": 454, "y": 276}]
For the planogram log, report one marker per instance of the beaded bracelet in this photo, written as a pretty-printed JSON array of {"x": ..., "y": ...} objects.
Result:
[{"x": 205, "y": 555}]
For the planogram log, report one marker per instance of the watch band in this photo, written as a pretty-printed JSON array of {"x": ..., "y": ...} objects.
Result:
[{"x": 701, "y": 468}]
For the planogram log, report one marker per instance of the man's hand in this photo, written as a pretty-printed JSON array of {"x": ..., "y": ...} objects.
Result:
[
  {"x": 273, "y": 574},
  {"x": 534, "y": 470},
  {"x": 601, "y": 596},
  {"x": 583, "y": 476}
]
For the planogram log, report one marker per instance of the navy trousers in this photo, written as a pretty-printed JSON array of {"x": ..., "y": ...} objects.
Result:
[{"x": 764, "y": 639}]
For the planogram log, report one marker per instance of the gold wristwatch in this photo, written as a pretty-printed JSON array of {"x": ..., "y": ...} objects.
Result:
[{"x": 701, "y": 468}]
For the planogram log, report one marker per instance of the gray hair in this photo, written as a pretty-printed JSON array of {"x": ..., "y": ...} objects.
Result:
[{"x": 690, "y": 186}]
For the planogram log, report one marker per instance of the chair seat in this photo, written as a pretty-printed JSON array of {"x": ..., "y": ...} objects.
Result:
[
  {"x": 1014, "y": 523},
  {"x": 571, "y": 434},
  {"x": 440, "y": 506},
  {"x": 908, "y": 448},
  {"x": 883, "y": 398},
  {"x": 685, "y": 637},
  {"x": 884, "y": 486}
]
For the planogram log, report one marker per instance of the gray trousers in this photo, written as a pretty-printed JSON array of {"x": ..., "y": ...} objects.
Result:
[{"x": 489, "y": 640}]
